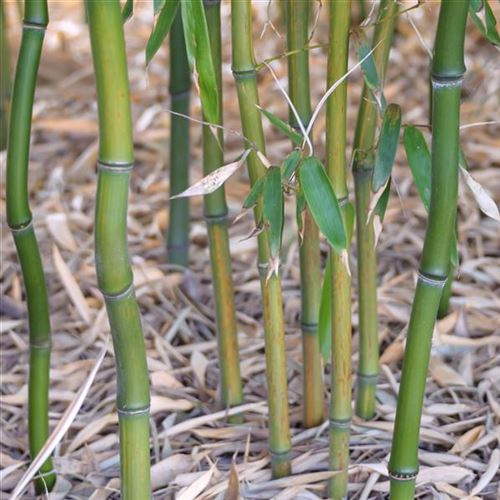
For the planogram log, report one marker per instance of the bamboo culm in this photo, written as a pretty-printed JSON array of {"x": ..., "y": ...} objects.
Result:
[
  {"x": 114, "y": 274},
  {"x": 245, "y": 75},
  {"x": 4, "y": 78},
  {"x": 217, "y": 223},
  {"x": 179, "y": 87},
  {"x": 363, "y": 165},
  {"x": 20, "y": 221},
  {"x": 447, "y": 74},
  {"x": 341, "y": 379},
  {"x": 310, "y": 258}
]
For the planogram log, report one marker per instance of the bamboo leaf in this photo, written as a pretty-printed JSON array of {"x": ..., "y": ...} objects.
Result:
[
  {"x": 368, "y": 66},
  {"x": 325, "y": 313},
  {"x": 419, "y": 159},
  {"x": 158, "y": 5},
  {"x": 273, "y": 208},
  {"x": 200, "y": 56},
  {"x": 387, "y": 146},
  {"x": 322, "y": 202},
  {"x": 489, "y": 27},
  {"x": 214, "y": 180},
  {"x": 290, "y": 164},
  {"x": 161, "y": 28},
  {"x": 299, "y": 208},
  {"x": 128, "y": 10},
  {"x": 483, "y": 199},
  {"x": 382, "y": 202},
  {"x": 294, "y": 136},
  {"x": 255, "y": 192}
]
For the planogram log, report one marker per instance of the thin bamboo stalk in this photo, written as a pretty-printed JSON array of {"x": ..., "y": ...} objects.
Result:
[
  {"x": 4, "y": 78},
  {"x": 447, "y": 75},
  {"x": 363, "y": 165},
  {"x": 246, "y": 83},
  {"x": 341, "y": 380},
  {"x": 179, "y": 87},
  {"x": 19, "y": 219},
  {"x": 310, "y": 258},
  {"x": 217, "y": 223},
  {"x": 114, "y": 273}
]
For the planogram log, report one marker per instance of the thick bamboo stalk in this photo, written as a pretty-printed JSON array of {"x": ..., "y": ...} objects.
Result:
[
  {"x": 341, "y": 380},
  {"x": 274, "y": 332},
  {"x": 114, "y": 273},
  {"x": 19, "y": 219},
  {"x": 447, "y": 74},
  {"x": 217, "y": 222},
  {"x": 363, "y": 165},
  {"x": 310, "y": 258},
  {"x": 179, "y": 87},
  {"x": 4, "y": 78}
]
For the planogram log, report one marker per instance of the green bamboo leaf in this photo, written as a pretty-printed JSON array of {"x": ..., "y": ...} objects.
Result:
[
  {"x": 161, "y": 28},
  {"x": 322, "y": 202},
  {"x": 299, "y": 208},
  {"x": 368, "y": 66},
  {"x": 489, "y": 27},
  {"x": 273, "y": 207},
  {"x": 158, "y": 5},
  {"x": 290, "y": 164},
  {"x": 325, "y": 313},
  {"x": 294, "y": 136},
  {"x": 419, "y": 159},
  {"x": 387, "y": 146},
  {"x": 200, "y": 56},
  {"x": 255, "y": 192},
  {"x": 382, "y": 202},
  {"x": 128, "y": 10}
]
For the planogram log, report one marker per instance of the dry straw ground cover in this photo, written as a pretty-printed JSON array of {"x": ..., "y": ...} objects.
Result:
[{"x": 196, "y": 453}]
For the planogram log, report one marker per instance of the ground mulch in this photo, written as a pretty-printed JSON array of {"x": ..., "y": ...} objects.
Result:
[{"x": 196, "y": 453}]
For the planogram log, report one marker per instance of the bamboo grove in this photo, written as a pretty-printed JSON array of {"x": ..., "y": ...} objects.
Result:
[{"x": 340, "y": 202}]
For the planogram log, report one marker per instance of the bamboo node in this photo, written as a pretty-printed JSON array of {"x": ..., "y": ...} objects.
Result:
[
  {"x": 21, "y": 228},
  {"x": 29, "y": 25},
  {"x": 343, "y": 201},
  {"x": 216, "y": 219},
  {"x": 115, "y": 167},
  {"x": 447, "y": 82},
  {"x": 403, "y": 476},
  {"x": 264, "y": 269},
  {"x": 40, "y": 344},
  {"x": 132, "y": 412},
  {"x": 115, "y": 297},
  {"x": 178, "y": 96},
  {"x": 340, "y": 424},
  {"x": 368, "y": 377},
  {"x": 435, "y": 281},
  {"x": 309, "y": 327},
  {"x": 244, "y": 74}
]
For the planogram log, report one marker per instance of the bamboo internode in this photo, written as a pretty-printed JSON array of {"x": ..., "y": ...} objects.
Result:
[
  {"x": 114, "y": 273},
  {"x": 19, "y": 219},
  {"x": 447, "y": 75}
]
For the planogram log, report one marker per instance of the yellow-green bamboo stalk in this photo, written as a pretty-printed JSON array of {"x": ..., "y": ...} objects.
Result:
[
  {"x": 341, "y": 384},
  {"x": 4, "y": 78},
  {"x": 363, "y": 165},
  {"x": 246, "y": 83},
  {"x": 447, "y": 75},
  {"x": 310, "y": 261},
  {"x": 217, "y": 222},
  {"x": 114, "y": 274},
  {"x": 20, "y": 221},
  {"x": 179, "y": 87}
]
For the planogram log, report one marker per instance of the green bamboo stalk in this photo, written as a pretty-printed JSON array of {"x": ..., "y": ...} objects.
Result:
[
  {"x": 364, "y": 141},
  {"x": 179, "y": 87},
  {"x": 20, "y": 221},
  {"x": 217, "y": 223},
  {"x": 246, "y": 83},
  {"x": 310, "y": 258},
  {"x": 447, "y": 74},
  {"x": 114, "y": 273},
  {"x": 4, "y": 78},
  {"x": 341, "y": 380}
]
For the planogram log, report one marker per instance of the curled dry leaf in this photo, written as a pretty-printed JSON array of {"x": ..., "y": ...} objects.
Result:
[
  {"x": 484, "y": 200},
  {"x": 214, "y": 180}
]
